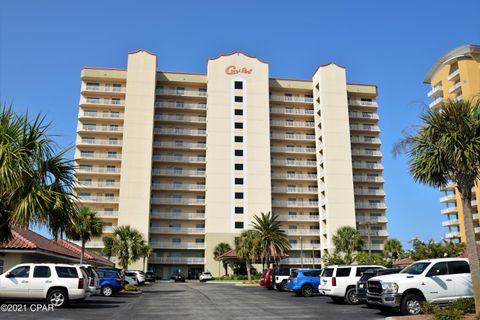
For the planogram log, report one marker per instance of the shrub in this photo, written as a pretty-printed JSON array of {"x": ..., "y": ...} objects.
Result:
[
  {"x": 429, "y": 308},
  {"x": 466, "y": 305},
  {"x": 447, "y": 314},
  {"x": 130, "y": 287}
]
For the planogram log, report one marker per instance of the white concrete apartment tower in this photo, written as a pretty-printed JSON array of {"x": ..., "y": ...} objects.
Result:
[{"x": 238, "y": 153}]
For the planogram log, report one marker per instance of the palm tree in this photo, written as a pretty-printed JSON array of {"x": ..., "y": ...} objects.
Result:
[
  {"x": 247, "y": 246},
  {"x": 447, "y": 148},
  {"x": 127, "y": 245},
  {"x": 273, "y": 240},
  {"x": 85, "y": 225},
  {"x": 35, "y": 179},
  {"x": 147, "y": 251},
  {"x": 347, "y": 240},
  {"x": 393, "y": 248},
  {"x": 108, "y": 247},
  {"x": 220, "y": 249}
]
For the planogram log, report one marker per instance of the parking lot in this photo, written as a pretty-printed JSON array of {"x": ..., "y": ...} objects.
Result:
[{"x": 202, "y": 301}]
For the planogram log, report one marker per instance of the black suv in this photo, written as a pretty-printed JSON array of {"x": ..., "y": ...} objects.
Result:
[{"x": 362, "y": 283}]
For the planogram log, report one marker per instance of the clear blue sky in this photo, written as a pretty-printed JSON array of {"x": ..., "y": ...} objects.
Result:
[{"x": 43, "y": 45}]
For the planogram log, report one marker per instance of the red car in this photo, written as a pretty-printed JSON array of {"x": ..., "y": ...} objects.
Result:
[{"x": 266, "y": 279}]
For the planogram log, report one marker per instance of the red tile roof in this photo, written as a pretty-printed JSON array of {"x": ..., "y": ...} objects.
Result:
[{"x": 88, "y": 255}]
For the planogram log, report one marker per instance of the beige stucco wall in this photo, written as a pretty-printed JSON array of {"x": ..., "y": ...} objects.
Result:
[{"x": 134, "y": 199}]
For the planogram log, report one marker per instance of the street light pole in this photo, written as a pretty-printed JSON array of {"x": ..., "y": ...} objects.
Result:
[{"x": 301, "y": 251}]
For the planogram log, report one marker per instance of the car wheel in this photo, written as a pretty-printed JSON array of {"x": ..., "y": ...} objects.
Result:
[
  {"x": 411, "y": 305},
  {"x": 351, "y": 296},
  {"x": 58, "y": 298},
  {"x": 337, "y": 299},
  {"x": 307, "y": 290},
  {"x": 283, "y": 286},
  {"x": 107, "y": 290}
]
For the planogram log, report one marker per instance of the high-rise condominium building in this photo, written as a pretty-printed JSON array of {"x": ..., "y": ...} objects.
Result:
[
  {"x": 189, "y": 159},
  {"x": 456, "y": 75}
]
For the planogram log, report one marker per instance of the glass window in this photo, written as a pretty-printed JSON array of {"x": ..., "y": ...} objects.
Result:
[
  {"x": 416, "y": 268},
  {"x": 438, "y": 269},
  {"x": 343, "y": 272},
  {"x": 238, "y": 166},
  {"x": 238, "y": 225},
  {"x": 21, "y": 272},
  {"x": 66, "y": 272},
  {"x": 238, "y": 209},
  {"x": 238, "y": 99},
  {"x": 238, "y": 153},
  {"x": 1, "y": 266},
  {"x": 456, "y": 267},
  {"x": 238, "y": 180},
  {"x": 238, "y": 139},
  {"x": 328, "y": 272},
  {"x": 238, "y": 112},
  {"x": 239, "y": 85},
  {"x": 42, "y": 272},
  {"x": 238, "y": 195},
  {"x": 238, "y": 125}
]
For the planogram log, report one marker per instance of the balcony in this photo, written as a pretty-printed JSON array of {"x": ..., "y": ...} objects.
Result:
[
  {"x": 437, "y": 91},
  {"x": 178, "y": 186},
  {"x": 177, "y": 215},
  {"x": 100, "y": 156},
  {"x": 476, "y": 229},
  {"x": 292, "y": 124},
  {"x": 103, "y": 199},
  {"x": 448, "y": 198},
  {"x": 435, "y": 103},
  {"x": 99, "y": 101},
  {"x": 101, "y": 115},
  {"x": 294, "y": 176},
  {"x": 180, "y": 132},
  {"x": 201, "y": 92},
  {"x": 292, "y": 111},
  {"x": 178, "y": 173},
  {"x": 91, "y": 244},
  {"x": 369, "y": 140},
  {"x": 180, "y": 105},
  {"x": 101, "y": 142},
  {"x": 297, "y": 136},
  {"x": 449, "y": 210},
  {"x": 103, "y": 88},
  {"x": 458, "y": 98},
  {"x": 288, "y": 149},
  {"x": 284, "y": 98},
  {"x": 370, "y": 205},
  {"x": 452, "y": 222},
  {"x": 373, "y": 246},
  {"x": 374, "y": 233},
  {"x": 371, "y": 220},
  {"x": 107, "y": 228},
  {"x": 107, "y": 214},
  {"x": 302, "y": 231},
  {"x": 294, "y": 163},
  {"x": 305, "y": 246},
  {"x": 293, "y": 190},
  {"x": 300, "y": 261},
  {"x": 176, "y": 260},
  {"x": 87, "y": 127},
  {"x": 95, "y": 170},
  {"x": 176, "y": 159},
  {"x": 299, "y": 217},
  {"x": 367, "y": 192},
  {"x": 363, "y": 115},
  {"x": 361, "y": 103},
  {"x": 366, "y": 153},
  {"x": 179, "y": 145},
  {"x": 177, "y": 245},
  {"x": 97, "y": 184},
  {"x": 474, "y": 202},
  {"x": 448, "y": 187},
  {"x": 455, "y": 75},
  {"x": 365, "y": 165},
  {"x": 180, "y": 118},
  {"x": 357, "y": 178},
  {"x": 295, "y": 204},
  {"x": 452, "y": 235},
  {"x": 182, "y": 201},
  {"x": 358, "y": 127},
  {"x": 172, "y": 230},
  {"x": 456, "y": 87}
]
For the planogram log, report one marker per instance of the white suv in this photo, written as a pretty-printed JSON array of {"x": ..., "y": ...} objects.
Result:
[
  {"x": 57, "y": 283},
  {"x": 339, "y": 282},
  {"x": 205, "y": 276},
  {"x": 436, "y": 281}
]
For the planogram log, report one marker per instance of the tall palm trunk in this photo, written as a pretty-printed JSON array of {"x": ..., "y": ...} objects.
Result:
[
  {"x": 249, "y": 266},
  {"x": 466, "y": 198},
  {"x": 83, "y": 251},
  {"x": 143, "y": 264}
]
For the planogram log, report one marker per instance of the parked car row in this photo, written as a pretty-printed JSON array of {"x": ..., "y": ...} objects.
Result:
[
  {"x": 436, "y": 281},
  {"x": 60, "y": 284}
]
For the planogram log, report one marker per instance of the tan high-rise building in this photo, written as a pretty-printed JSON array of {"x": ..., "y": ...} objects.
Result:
[
  {"x": 456, "y": 75},
  {"x": 189, "y": 159}
]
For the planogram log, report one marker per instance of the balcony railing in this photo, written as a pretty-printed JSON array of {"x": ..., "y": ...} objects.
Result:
[
  {"x": 107, "y": 214},
  {"x": 177, "y": 215},
  {"x": 107, "y": 228},
  {"x": 366, "y": 192},
  {"x": 362, "y": 103},
  {"x": 458, "y": 98},
  {"x": 358, "y": 127},
  {"x": 180, "y": 131},
  {"x": 175, "y": 186},
  {"x": 177, "y": 230},
  {"x": 370, "y": 205},
  {"x": 97, "y": 199},
  {"x": 292, "y": 149},
  {"x": 449, "y": 210},
  {"x": 297, "y": 136},
  {"x": 372, "y": 220},
  {"x": 180, "y": 105},
  {"x": 374, "y": 246},
  {"x": 299, "y": 217},
  {"x": 186, "y": 201},
  {"x": 367, "y": 153},
  {"x": 294, "y": 204},
  {"x": 302, "y": 231},
  {"x": 436, "y": 91},
  {"x": 177, "y": 245},
  {"x": 179, "y": 173},
  {"x": 305, "y": 246},
  {"x": 179, "y": 145},
  {"x": 355, "y": 139},
  {"x": 87, "y": 127},
  {"x": 455, "y": 87},
  {"x": 180, "y": 118},
  {"x": 435, "y": 103},
  {"x": 311, "y": 190},
  {"x": 374, "y": 233},
  {"x": 367, "y": 179},
  {"x": 454, "y": 75},
  {"x": 293, "y": 163},
  {"x": 104, "y": 88},
  {"x": 97, "y": 155},
  {"x": 357, "y": 165},
  {"x": 451, "y": 235},
  {"x": 102, "y": 115},
  {"x": 299, "y": 261},
  {"x": 182, "y": 158},
  {"x": 452, "y": 222},
  {"x": 306, "y": 99},
  {"x": 91, "y": 244},
  {"x": 117, "y": 102},
  {"x": 181, "y": 92},
  {"x": 97, "y": 184},
  {"x": 362, "y": 115},
  {"x": 295, "y": 176},
  {"x": 98, "y": 170},
  {"x": 293, "y": 111},
  {"x": 448, "y": 198},
  {"x": 103, "y": 142},
  {"x": 299, "y": 124},
  {"x": 176, "y": 260}
]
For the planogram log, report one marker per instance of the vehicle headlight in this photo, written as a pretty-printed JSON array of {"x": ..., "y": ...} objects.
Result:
[{"x": 390, "y": 287}]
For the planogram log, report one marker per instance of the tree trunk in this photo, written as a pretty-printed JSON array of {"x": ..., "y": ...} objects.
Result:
[
  {"x": 249, "y": 266},
  {"x": 471, "y": 247},
  {"x": 225, "y": 265},
  {"x": 83, "y": 251},
  {"x": 144, "y": 264}
]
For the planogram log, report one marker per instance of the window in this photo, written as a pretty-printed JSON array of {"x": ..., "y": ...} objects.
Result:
[
  {"x": 327, "y": 272},
  {"x": 239, "y": 85},
  {"x": 21, "y": 272},
  {"x": 456, "y": 267},
  {"x": 238, "y": 180},
  {"x": 238, "y": 210},
  {"x": 238, "y": 153},
  {"x": 176, "y": 240},
  {"x": 438, "y": 269},
  {"x": 200, "y": 226},
  {"x": 238, "y": 195},
  {"x": 199, "y": 240},
  {"x": 343, "y": 272},
  {"x": 202, "y": 92},
  {"x": 361, "y": 270},
  {"x": 42, "y": 272},
  {"x": 86, "y": 154},
  {"x": 238, "y": 166},
  {"x": 93, "y": 85},
  {"x": 180, "y": 91},
  {"x": 238, "y": 99},
  {"x": 66, "y": 272},
  {"x": 116, "y": 87},
  {"x": 1, "y": 266},
  {"x": 238, "y": 112},
  {"x": 238, "y": 125},
  {"x": 238, "y": 225},
  {"x": 238, "y": 139}
]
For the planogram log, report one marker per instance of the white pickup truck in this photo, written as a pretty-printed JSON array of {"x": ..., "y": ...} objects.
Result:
[{"x": 436, "y": 281}]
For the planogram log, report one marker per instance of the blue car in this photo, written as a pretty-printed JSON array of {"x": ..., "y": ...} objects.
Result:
[
  {"x": 304, "y": 282},
  {"x": 110, "y": 281}
]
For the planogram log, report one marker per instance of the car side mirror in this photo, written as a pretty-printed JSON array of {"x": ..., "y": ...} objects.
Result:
[{"x": 10, "y": 275}]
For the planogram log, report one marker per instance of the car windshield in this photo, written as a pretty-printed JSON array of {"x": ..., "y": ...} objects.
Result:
[
  {"x": 367, "y": 275},
  {"x": 294, "y": 274},
  {"x": 416, "y": 268}
]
